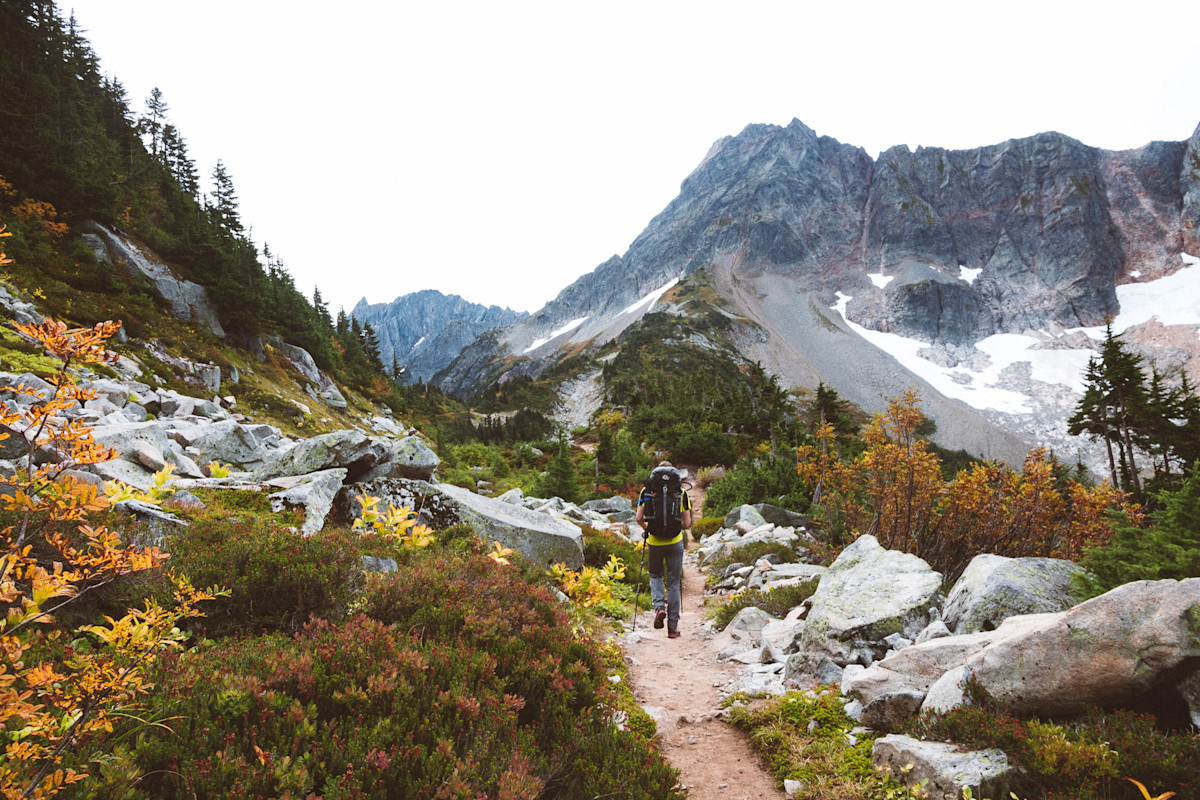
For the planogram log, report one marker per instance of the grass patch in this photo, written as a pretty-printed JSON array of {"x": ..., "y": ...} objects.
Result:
[{"x": 776, "y": 602}]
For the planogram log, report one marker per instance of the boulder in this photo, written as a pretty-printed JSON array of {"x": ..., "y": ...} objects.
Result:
[
  {"x": 314, "y": 492},
  {"x": 945, "y": 768},
  {"x": 230, "y": 442},
  {"x": 352, "y": 451},
  {"x": 1136, "y": 641},
  {"x": 993, "y": 588},
  {"x": 744, "y": 518},
  {"x": 782, "y": 517},
  {"x": 542, "y": 538},
  {"x": 409, "y": 458},
  {"x": 609, "y": 505},
  {"x": 867, "y": 594},
  {"x": 811, "y": 669}
]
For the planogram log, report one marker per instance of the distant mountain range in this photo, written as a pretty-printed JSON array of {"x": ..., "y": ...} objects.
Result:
[
  {"x": 424, "y": 331},
  {"x": 811, "y": 246}
]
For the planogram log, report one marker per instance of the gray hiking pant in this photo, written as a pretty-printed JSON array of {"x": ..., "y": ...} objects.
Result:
[{"x": 669, "y": 556}]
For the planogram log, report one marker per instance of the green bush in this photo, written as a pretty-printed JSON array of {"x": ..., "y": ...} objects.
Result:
[
  {"x": 1168, "y": 549},
  {"x": 277, "y": 579},
  {"x": 706, "y": 526},
  {"x": 776, "y": 602},
  {"x": 749, "y": 554},
  {"x": 1080, "y": 760},
  {"x": 768, "y": 480}
]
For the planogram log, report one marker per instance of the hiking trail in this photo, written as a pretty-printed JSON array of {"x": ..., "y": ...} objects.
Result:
[{"x": 682, "y": 680}]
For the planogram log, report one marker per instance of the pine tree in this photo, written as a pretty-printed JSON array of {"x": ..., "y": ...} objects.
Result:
[
  {"x": 225, "y": 202},
  {"x": 1112, "y": 408},
  {"x": 155, "y": 121}
]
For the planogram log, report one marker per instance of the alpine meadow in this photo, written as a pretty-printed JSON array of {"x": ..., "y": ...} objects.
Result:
[{"x": 935, "y": 411}]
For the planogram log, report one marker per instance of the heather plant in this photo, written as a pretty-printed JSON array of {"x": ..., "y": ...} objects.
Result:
[
  {"x": 460, "y": 679},
  {"x": 276, "y": 579},
  {"x": 1085, "y": 759}
]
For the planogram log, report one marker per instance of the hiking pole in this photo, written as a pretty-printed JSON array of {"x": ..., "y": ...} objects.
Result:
[{"x": 637, "y": 597}]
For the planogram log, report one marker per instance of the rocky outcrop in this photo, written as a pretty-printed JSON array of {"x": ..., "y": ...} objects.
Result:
[{"x": 186, "y": 300}]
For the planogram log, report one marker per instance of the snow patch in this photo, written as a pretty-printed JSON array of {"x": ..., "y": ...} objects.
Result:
[
  {"x": 651, "y": 298},
  {"x": 1137, "y": 273},
  {"x": 968, "y": 275},
  {"x": 418, "y": 344},
  {"x": 1173, "y": 300},
  {"x": 881, "y": 280},
  {"x": 570, "y": 326}
]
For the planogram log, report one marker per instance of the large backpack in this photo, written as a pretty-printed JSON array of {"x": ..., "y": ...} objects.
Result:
[{"x": 663, "y": 504}]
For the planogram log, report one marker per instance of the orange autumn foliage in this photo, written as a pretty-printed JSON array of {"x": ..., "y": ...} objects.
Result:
[
  {"x": 895, "y": 491},
  {"x": 47, "y": 706}
]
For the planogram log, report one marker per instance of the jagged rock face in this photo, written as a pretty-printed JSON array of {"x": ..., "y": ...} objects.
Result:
[
  {"x": 425, "y": 330},
  {"x": 1050, "y": 224}
]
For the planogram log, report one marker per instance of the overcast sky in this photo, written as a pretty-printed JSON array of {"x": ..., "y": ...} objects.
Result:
[{"x": 499, "y": 150}]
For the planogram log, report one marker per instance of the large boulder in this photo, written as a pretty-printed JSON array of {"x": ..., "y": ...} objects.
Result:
[
  {"x": 993, "y": 588},
  {"x": 782, "y": 517},
  {"x": 353, "y": 451},
  {"x": 1137, "y": 641},
  {"x": 314, "y": 492},
  {"x": 945, "y": 768},
  {"x": 410, "y": 458},
  {"x": 542, "y": 538},
  {"x": 229, "y": 442},
  {"x": 867, "y": 594}
]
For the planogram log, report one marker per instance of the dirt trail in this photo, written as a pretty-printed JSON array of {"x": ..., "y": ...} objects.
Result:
[{"x": 683, "y": 677}]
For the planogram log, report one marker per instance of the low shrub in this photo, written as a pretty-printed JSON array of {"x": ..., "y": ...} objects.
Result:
[
  {"x": 277, "y": 579},
  {"x": 460, "y": 680},
  {"x": 1081, "y": 760},
  {"x": 772, "y": 479},
  {"x": 776, "y": 602},
  {"x": 802, "y": 736},
  {"x": 706, "y": 526}
]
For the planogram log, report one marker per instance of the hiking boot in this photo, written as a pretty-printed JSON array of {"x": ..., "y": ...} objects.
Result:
[
  {"x": 660, "y": 617},
  {"x": 672, "y": 633}
]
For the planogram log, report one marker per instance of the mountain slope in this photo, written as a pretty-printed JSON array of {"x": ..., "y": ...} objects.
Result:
[{"x": 942, "y": 247}]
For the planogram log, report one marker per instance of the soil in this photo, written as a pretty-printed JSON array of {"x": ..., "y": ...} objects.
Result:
[{"x": 684, "y": 678}]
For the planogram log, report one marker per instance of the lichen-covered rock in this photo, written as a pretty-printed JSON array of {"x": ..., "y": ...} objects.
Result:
[
  {"x": 542, "y": 538},
  {"x": 867, "y": 594},
  {"x": 745, "y": 518},
  {"x": 945, "y": 769},
  {"x": 314, "y": 492},
  {"x": 993, "y": 588},
  {"x": 353, "y": 451},
  {"x": 1111, "y": 649}
]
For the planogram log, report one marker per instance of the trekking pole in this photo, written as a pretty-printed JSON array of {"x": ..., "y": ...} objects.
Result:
[{"x": 637, "y": 597}]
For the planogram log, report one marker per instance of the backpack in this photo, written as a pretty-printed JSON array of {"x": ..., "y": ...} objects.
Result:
[{"x": 663, "y": 503}]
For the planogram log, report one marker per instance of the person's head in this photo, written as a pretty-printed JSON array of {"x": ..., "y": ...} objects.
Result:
[{"x": 666, "y": 464}]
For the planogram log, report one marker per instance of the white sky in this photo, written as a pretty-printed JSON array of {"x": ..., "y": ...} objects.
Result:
[{"x": 498, "y": 151}]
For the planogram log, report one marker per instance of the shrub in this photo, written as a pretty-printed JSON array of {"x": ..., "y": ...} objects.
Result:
[
  {"x": 802, "y": 736},
  {"x": 276, "y": 578},
  {"x": 772, "y": 479},
  {"x": 706, "y": 526},
  {"x": 776, "y": 602},
  {"x": 1078, "y": 760},
  {"x": 459, "y": 680}
]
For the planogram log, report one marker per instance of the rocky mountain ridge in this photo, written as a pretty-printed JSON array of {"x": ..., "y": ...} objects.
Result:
[
  {"x": 422, "y": 332},
  {"x": 945, "y": 247}
]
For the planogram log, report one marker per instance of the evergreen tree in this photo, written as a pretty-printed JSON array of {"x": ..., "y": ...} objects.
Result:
[
  {"x": 1113, "y": 408},
  {"x": 561, "y": 479},
  {"x": 225, "y": 202},
  {"x": 154, "y": 122}
]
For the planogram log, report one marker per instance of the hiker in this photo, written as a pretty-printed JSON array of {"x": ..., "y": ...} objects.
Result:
[{"x": 664, "y": 511}]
